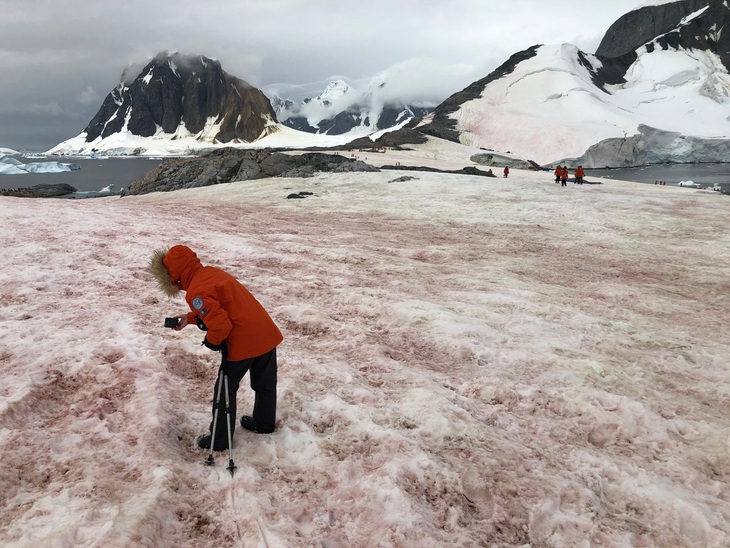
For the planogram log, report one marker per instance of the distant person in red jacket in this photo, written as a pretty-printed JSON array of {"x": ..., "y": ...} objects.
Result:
[
  {"x": 558, "y": 174},
  {"x": 579, "y": 174},
  {"x": 506, "y": 171},
  {"x": 235, "y": 324},
  {"x": 564, "y": 176}
]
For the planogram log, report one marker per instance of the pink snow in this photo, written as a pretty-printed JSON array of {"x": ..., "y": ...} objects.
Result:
[{"x": 467, "y": 362}]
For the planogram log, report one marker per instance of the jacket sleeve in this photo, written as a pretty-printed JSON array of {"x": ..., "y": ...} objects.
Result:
[{"x": 213, "y": 315}]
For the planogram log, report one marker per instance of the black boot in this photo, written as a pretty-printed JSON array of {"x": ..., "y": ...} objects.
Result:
[
  {"x": 249, "y": 424},
  {"x": 203, "y": 442}
]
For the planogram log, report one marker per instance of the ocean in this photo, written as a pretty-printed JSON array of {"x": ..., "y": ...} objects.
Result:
[
  {"x": 94, "y": 174},
  {"x": 705, "y": 175}
]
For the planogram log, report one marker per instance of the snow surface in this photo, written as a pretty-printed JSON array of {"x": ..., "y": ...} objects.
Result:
[
  {"x": 124, "y": 143},
  {"x": 334, "y": 99},
  {"x": 655, "y": 3},
  {"x": 682, "y": 91},
  {"x": 467, "y": 362}
]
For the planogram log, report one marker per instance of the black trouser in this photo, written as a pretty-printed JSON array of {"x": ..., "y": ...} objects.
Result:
[{"x": 263, "y": 383}]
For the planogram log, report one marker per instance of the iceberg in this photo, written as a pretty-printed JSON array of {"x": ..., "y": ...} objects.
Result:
[{"x": 13, "y": 166}]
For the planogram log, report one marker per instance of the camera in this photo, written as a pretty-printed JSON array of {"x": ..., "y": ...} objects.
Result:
[{"x": 172, "y": 322}]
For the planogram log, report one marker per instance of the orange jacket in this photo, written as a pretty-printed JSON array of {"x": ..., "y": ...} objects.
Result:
[
  {"x": 564, "y": 173},
  {"x": 228, "y": 310},
  {"x": 579, "y": 172}
]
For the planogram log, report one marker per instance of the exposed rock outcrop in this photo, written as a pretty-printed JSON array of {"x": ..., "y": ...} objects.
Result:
[
  {"x": 493, "y": 159},
  {"x": 40, "y": 191},
  {"x": 468, "y": 170},
  {"x": 230, "y": 164},
  {"x": 393, "y": 139}
]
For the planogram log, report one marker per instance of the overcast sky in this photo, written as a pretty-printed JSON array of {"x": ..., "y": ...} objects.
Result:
[{"x": 60, "y": 58}]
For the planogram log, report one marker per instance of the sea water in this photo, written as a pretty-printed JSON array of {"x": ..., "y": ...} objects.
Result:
[
  {"x": 93, "y": 175},
  {"x": 705, "y": 175}
]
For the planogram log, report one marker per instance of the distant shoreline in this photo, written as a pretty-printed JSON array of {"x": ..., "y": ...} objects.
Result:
[{"x": 98, "y": 173}]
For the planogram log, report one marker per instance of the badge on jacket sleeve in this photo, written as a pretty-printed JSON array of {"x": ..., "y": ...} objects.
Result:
[{"x": 197, "y": 303}]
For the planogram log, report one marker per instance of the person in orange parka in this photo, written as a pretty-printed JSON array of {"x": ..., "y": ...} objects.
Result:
[
  {"x": 564, "y": 176},
  {"x": 558, "y": 174},
  {"x": 235, "y": 324},
  {"x": 579, "y": 174}
]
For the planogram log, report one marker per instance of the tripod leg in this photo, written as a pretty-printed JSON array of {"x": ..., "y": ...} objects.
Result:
[
  {"x": 231, "y": 465},
  {"x": 217, "y": 406}
]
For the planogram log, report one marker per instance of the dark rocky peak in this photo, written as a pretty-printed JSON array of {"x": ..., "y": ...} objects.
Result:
[
  {"x": 691, "y": 24},
  {"x": 174, "y": 91}
]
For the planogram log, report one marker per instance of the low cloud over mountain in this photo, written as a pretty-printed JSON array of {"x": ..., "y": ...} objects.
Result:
[{"x": 341, "y": 109}]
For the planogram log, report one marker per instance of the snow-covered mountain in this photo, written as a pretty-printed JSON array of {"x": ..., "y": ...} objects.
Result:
[
  {"x": 341, "y": 108},
  {"x": 657, "y": 90},
  {"x": 180, "y": 104},
  {"x": 176, "y": 97}
]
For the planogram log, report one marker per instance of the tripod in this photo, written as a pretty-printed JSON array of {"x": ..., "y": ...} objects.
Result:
[{"x": 222, "y": 379}]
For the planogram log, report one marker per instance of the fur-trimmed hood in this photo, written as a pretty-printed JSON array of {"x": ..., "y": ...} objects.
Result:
[{"x": 173, "y": 268}]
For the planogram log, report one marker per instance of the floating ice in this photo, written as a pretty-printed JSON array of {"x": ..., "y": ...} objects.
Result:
[{"x": 12, "y": 166}]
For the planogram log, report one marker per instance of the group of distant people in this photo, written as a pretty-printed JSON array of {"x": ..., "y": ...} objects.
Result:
[{"x": 562, "y": 174}]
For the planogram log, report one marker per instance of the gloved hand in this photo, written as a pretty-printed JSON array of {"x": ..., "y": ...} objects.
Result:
[{"x": 214, "y": 347}]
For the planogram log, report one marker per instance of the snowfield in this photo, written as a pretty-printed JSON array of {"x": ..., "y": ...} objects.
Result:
[
  {"x": 467, "y": 362},
  {"x": 682, "y": 91}
]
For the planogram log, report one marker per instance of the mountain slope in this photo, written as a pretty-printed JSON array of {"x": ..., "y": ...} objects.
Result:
[
  {"x": 341, "y": 109},
  {"x": 179, "y": 97},
  {"x": 664, "y": 100}
]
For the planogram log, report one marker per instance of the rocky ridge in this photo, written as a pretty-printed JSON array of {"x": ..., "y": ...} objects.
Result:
[
  {"x": 40, "y": 191},
  {"x": 232, "y": 164},
  {"x": 670, "y": 25},
  {"x": 179, "y": 95}
]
